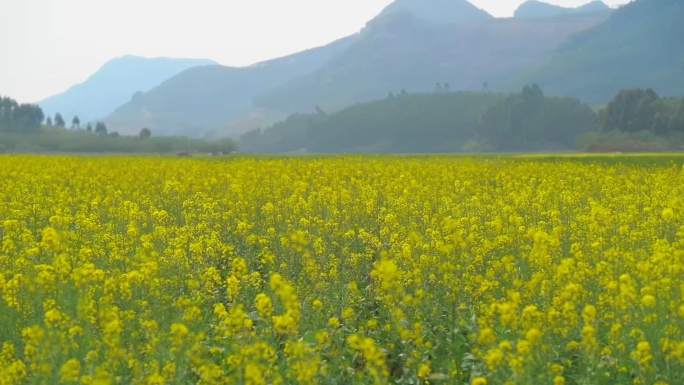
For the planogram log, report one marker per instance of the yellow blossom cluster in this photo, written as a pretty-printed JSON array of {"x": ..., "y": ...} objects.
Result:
[{"x": 346, "y": 269}]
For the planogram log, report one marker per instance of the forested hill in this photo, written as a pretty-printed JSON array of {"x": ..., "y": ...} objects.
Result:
[
  {"x": 640, "y": 45},
  {"x": 441, "y": 121}
]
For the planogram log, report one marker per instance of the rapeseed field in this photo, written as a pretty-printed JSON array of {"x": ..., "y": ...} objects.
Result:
[{"x": 340, "y": 270}]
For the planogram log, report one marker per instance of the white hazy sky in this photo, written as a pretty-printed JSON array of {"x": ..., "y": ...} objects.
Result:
[{"x": 48, "y": 45}]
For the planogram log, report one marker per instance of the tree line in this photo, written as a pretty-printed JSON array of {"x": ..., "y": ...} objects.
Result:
[
  {"x": 638, "y": 120},
  {"x": 637, "y": 109},
  {"x": 442, "y": 121},
  {"x": 635, "y": 119},
  {"x": 67, "y": 141},
  {"x": 22, "y": 130},
  {"x": 29, "y": 118},
  {"x": 529, "y": 120},
  {"x": 19, "y": 118},
  {"x": 100, "y": 127}
]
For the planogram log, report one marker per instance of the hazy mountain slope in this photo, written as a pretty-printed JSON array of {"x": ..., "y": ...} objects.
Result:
[
  {"x": 218, "y": 101},
  {"x": 207, "y": 96},
  {"x": 440, "y": 11},
  {"x": 640, "y": 45},
  {"x": 534, "y": 8},
  {"x": 113, "y": 84},
  {"x": 400, "y": 50},
  {"x": 254, "y": 118}
]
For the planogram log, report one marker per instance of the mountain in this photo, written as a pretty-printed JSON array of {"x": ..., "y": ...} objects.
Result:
[
  {"x": 217, "y": 101},
  {"x": 534, "y": 9},
  {"x": 113, "y": 84},
  {"x": 639, "y": 45},
  {"x": 204, "y": 97},
  {"x": 399, "y": 50},
  {"x": 439, "y": 11}
]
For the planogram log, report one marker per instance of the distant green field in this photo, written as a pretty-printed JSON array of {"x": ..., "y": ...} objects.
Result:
[{"x": 631, "y": 158}]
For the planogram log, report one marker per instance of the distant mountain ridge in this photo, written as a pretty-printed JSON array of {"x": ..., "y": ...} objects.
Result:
[
  {"x": 201, "y": 99},
  {"x": 399, "y": 51},
  {"x": 440, "y": 11},
  {"x": 538, "y": 9},
  {"x": 589, "y": 52},
  {"x": 114, "y": 84}
]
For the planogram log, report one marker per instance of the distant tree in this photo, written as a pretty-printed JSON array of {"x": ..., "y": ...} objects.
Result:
[
  {"x": 447, "y": 87},
  {"x": 660, "y": 123},
  {"x": 19, "y": 118},
  {"x": 636, "y": 109},
  {"x": 48, "y": 121},
  {"x": 100, "y": 128},
  {"x": 75, "y": 123},
  {"x": 5, "y": 116},
  {"x": 533, "y": 98},
  {"x": 485, "y": 86},
  {"x": 523, "y": 119},
  {"x": 403, "y": 92},
  {"x": 391, "y": 95},
  {"x": 145, "y": 133},
  {"x": 114, "y": 134},
  {"x": 59, "y": 120},
  {"x": 89, "y": 127},
  {"x": 631, "y": 110},
  {"x": 319, "y": 110},
  {"x": 677, "y": 119},
  {"x": 438, "y": 88}
]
